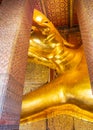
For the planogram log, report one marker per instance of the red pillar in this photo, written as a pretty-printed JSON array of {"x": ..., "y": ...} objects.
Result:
[
  {"x": 85, "y": 17},
  {"x": 15, "y": 25}
]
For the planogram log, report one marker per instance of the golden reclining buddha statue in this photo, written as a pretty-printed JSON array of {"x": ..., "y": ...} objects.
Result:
[{"x": 70, "y": 93}]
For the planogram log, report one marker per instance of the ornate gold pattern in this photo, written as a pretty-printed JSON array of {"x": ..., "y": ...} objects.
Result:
[{"x": 60, "y": 12}]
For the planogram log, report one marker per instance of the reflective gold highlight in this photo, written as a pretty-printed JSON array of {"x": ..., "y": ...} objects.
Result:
[{"x": 70, "y": 93}]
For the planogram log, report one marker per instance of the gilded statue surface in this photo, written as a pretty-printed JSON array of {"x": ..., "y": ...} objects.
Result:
[{"x": 70, "y": 93}]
